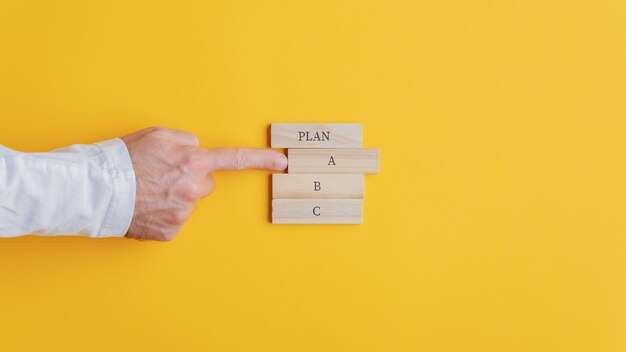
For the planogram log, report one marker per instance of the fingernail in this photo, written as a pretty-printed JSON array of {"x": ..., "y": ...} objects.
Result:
[{"x": 281, "y": 163}]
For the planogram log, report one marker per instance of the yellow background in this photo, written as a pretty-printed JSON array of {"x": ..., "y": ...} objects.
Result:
[{"x": 497, "y": 223}]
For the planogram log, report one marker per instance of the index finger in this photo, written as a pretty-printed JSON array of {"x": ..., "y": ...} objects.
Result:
[{"x": 245, "y": 158}]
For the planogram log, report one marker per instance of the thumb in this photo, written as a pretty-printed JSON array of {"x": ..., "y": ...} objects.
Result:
[{"x": 245, "y": 158}]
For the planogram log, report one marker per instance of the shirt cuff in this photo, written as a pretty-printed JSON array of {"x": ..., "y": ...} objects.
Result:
[{"x": 122, "y": 206}]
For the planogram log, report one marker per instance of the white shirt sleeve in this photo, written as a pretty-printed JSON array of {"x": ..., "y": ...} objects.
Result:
[{"x": 82, "y": 189}]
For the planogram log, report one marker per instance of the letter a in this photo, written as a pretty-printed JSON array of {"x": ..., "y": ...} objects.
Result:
[{"x": 331, "y": 161}]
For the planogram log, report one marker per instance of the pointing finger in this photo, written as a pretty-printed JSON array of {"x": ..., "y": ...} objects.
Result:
[{"x": 245, "y": 158}]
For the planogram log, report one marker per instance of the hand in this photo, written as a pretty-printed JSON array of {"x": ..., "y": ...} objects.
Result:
[{"x": 173, "y": 172}]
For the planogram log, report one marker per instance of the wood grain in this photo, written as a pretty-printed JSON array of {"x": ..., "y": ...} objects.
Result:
[
  {"x": 328, "y": 186},
  {"x": 309, "y": 135},
  {"x": 333, "y": 161},
  {"x": 317, "y": 211}
]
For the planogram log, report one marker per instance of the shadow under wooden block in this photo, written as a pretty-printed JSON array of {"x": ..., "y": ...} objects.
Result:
[{"x": 317, "y": 211}]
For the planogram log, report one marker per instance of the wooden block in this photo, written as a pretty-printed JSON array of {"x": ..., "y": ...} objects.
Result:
[
  {"x": 317, "y": 211},
  {"x": 333, "y": 161},
  {"x": 315, "y": 135},
  {"x": 301, "y": 186}
]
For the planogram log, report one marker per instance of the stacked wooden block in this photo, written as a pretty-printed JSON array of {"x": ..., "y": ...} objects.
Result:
[{"x": 324, "y": 183}]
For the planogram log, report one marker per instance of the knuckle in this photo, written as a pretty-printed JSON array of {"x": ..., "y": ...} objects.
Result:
[
  {"x": 241, "y": 159},
  {"x": 189, "y": 192},
  {"x": 170, "y": 236},
  {"x": 160, "y": 132},
  {"x": 194, "y": 139},
  {"x": 180, "y": 216},
  {"x": 161, "y": 237},
  {"x": 205, "y": 188},
  {"x": 190, "y": 161},
  {"x": 187, "y": 160},
  {"x": 165, "y": 235},
  {"x": 269, "y": 162},
  {"x": 156, "y": 129}
]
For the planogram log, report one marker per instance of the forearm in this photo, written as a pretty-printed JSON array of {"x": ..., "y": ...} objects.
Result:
[{"x": 81, "y": 189}]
